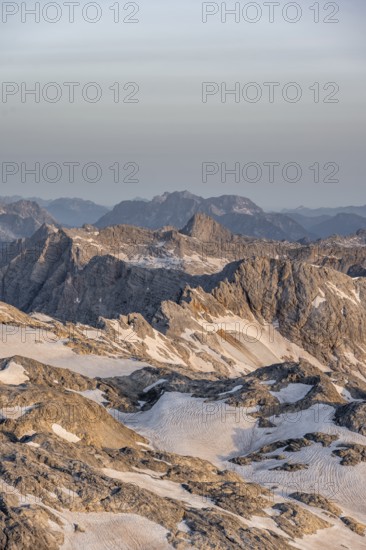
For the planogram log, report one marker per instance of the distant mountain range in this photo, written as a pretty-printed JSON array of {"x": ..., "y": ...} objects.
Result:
[
  {"x": 21, "y": 219},
  {"x": 69, "y": 212},
  {"x": 315, "y": 212},
  {"x": 323, "y": 226},
  {"x": 237, "y": 214},
  {"x": 324, "y": 222}
]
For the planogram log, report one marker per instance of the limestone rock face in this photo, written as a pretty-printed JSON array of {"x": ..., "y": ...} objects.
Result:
[{"x": 319, "y": 308}]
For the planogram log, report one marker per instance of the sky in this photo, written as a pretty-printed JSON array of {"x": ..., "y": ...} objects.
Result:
[{"x": 157, "y": 117}]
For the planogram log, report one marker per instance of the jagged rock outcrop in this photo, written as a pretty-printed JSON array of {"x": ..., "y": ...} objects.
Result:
[
  {"x": 353, "y": 416},
  {"x": 78, "y": 276},
  {"x": 318, "y": 308}
]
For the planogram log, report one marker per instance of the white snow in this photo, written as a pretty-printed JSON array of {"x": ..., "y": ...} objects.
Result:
[
  {"x": 318, "y": 300},
  {"x": 237, "y": 388},
  {"x": 257, "y": 345},
  {"x": 186, "y": 425},
  {"x": 337, "y": 537},
  {"x": 61, "y": 432},
  {"x": 216, "y": 432},
  {"x": 105, "y": 530},
  {"x": 33, "y": 444},
  {"x": 13, "y": 374},
  {"x": 15, "y": 341},
  {"x": 345, "y": 486},
  {"x": 292, "y": 393},
  {"x": 148, "y": 388},
  {"x": 42, "y": 317}
]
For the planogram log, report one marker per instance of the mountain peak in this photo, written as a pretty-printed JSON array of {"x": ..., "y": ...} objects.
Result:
[
  {"x": 175, "y": 195},
  {"x": 206, "y": 229}
]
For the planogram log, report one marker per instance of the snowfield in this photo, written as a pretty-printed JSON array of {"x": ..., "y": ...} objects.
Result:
[
  {"x": 185, "y": 425},
  {"x": 57, "y": 354},
  {"x": 216, "y": 432},
  {"x": 109, "y": 531}
]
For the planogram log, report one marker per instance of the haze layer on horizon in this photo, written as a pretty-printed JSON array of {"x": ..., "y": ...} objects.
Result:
[{"x": 160, "y": 128}]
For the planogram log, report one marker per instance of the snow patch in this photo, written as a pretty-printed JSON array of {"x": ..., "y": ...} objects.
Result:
[
  {"x": 292, "y": 393},
  {"x": 319, "y": 300},
  {"x": 13, "y": 374},
  {"x": 61, "y": 432},
  {"x": 148, "y": 388},
  {"x": 237, "y": 388}
]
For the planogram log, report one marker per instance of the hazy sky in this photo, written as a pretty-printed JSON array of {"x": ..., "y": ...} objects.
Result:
[{"x": 170, "y": 132}]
